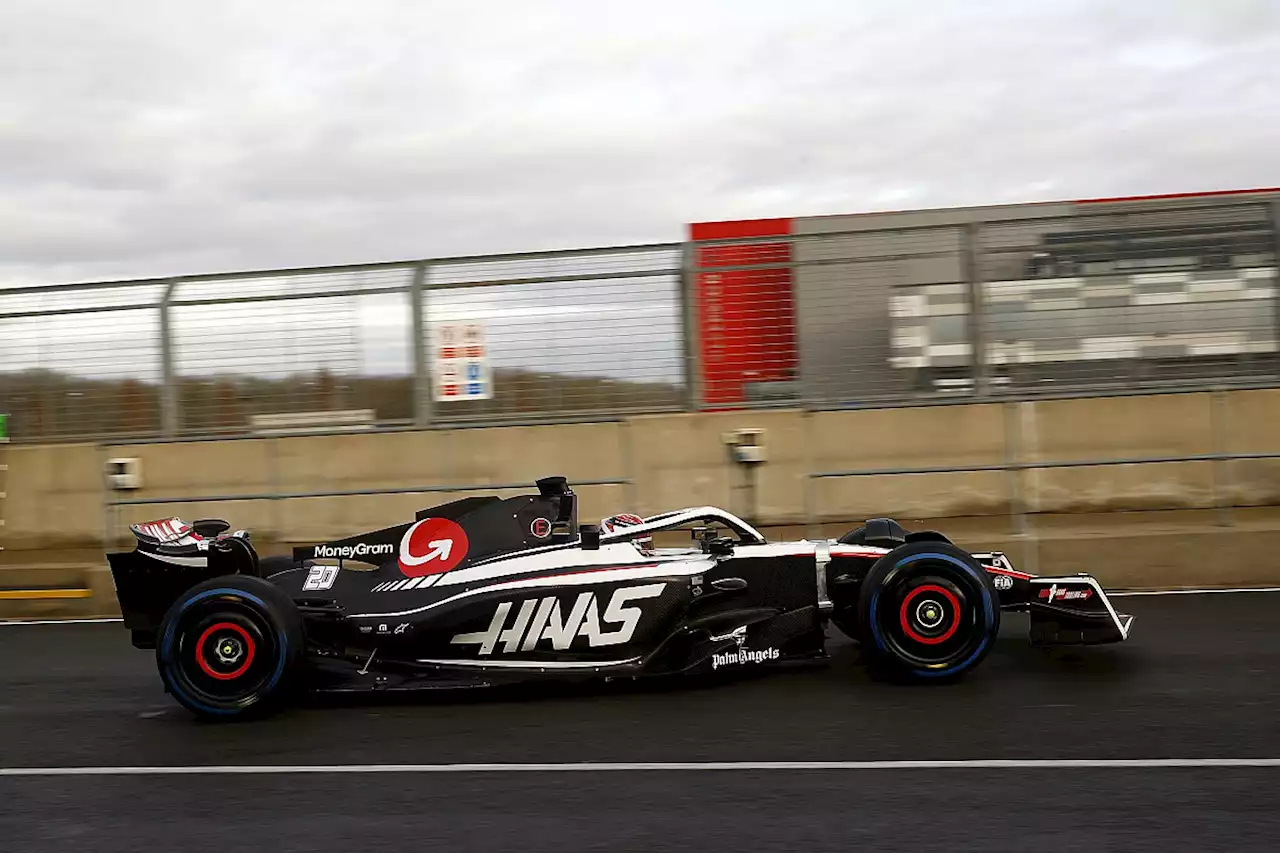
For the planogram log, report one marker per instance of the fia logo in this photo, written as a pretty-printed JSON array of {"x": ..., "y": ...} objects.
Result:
[{"x": 541, "y": 619}]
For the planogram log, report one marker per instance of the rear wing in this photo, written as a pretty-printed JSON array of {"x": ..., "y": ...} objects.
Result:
[{"x": 159, "y": 569}]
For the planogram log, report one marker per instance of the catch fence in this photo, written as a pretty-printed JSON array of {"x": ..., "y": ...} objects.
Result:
[{"x": 876, "y": 310}]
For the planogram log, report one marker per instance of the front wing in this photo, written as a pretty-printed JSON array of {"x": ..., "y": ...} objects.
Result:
[{"x": 1065, "y": 610}]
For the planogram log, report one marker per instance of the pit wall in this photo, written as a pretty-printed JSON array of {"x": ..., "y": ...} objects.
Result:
[{"x": 1174, "y": 523}]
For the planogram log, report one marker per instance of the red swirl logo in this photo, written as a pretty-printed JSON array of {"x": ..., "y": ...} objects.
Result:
[{"x": 431, "y": 547}]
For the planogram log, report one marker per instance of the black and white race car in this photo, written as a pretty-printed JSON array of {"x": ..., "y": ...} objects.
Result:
[{"x": 487, "y": 590}]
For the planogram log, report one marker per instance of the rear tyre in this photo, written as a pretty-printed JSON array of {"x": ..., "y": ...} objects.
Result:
[
  {"x": 231, "y": 647},
  {"x": 927, "y": 611}
]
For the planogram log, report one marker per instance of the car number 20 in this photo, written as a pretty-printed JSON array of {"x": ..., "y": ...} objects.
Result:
[{"x": 321, "y": 577}]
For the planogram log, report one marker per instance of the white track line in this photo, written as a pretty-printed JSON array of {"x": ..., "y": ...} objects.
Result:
[
  {"x": 60, "y": 621},
  {"x": 637, "y": 766},
  {"x": 1209, "y": 591}
]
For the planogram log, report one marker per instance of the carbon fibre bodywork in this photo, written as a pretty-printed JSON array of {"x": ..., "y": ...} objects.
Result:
[{"x": 488, "y": 590}]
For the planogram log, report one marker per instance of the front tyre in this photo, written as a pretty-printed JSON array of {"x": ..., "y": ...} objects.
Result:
[
  {"x": 927, "y": 611},
  {"x": 231, "y": 647}
]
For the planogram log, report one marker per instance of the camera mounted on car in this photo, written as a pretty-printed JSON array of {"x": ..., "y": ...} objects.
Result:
[{"x": 710, "y": 542}]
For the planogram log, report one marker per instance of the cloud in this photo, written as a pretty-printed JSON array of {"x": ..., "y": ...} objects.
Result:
[{"x": 147, "y": 138}]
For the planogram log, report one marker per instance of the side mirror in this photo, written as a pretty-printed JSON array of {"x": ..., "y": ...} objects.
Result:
[{"x": 721, "y": 547}]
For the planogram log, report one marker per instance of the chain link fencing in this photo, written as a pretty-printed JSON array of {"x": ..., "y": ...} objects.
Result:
[
  {"x": 873, "y": 310},
  {"x": 958, "y": 305}
]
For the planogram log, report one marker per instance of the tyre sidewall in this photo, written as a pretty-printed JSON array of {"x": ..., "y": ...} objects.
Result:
[
  {"x": 276, "y": 615},
  {"x": 915, "y": 560}
]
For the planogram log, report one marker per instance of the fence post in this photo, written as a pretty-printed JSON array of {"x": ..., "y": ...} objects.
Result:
[
  {"x": 109, "y": 515},
  {"x": 812, "y": 517},
  {"x": 1275, "y": 264},
  {"x": 275, "y": 513},
  {"x": 973, "y": 275},
  {"x": 689, "y": 327},
  {"x": 421, "y": 368},
  {"x": 1013, "y": 454},
  {"x": 169, "y": 414},
  {"x": 1219, "y": 467}
]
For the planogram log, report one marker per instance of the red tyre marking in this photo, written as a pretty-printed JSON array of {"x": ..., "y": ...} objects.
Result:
[
  {"x": 996, "y": 570},
  {"x": 955, "y": 613},
  {"x": 204, "y": 664}
]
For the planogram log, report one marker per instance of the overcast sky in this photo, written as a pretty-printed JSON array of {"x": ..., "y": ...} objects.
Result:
[{"x": 156, "y": 138}]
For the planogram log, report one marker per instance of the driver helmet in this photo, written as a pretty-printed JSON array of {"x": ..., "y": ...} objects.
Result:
[{"x": 624, "y": 520}]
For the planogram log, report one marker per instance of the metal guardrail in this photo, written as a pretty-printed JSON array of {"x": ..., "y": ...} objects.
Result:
[
  {"x": 202, "y": 355},
  {"x": 1175, "y": 294},
  {"x": 4, "y": 467},
  {"x": 1065, "y": 463},
  {"x": 346, "y": 493},
  {"x": 1018, "y": 512},
  {"x": 1015, "y": 463}
]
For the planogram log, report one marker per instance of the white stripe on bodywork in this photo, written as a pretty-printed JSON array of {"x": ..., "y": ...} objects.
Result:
[
  {"x": 529, "y": 664},
  {"x": 621, "y": 553},
  {"x": 561, "y": 558},
  {"x": 422, "y": 582},
  {"x": 190, "y": 562},
  {"x": 673, "y": 567},
  {"x": 857, "y": 551},
  {"x": 802, "y": 548}
]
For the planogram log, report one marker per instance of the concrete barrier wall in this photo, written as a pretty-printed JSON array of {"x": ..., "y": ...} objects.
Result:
[
  {"x": 56, "y": 495},
  {"x": 436, "y": 459},
  {"x": 56, "y": 492},
  {"x": 54, "y": 498},
  {"x": 1116, "y": 428}
]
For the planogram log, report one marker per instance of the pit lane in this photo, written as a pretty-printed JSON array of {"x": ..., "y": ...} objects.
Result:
[{"x": 1196, "y": 681}]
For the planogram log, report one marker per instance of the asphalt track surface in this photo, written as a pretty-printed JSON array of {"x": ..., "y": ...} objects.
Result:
[{"x": 1198, "y": 680}]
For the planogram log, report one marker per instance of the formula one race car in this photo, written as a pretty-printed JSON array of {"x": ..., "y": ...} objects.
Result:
[{"x": 485, "y": 590}]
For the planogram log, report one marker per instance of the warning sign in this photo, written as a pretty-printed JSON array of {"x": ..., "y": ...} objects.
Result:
[{"x": 462, "y": 362}]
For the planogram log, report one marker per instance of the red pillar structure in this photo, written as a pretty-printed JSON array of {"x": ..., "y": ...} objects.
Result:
[{"x": 746, "y": 317}]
